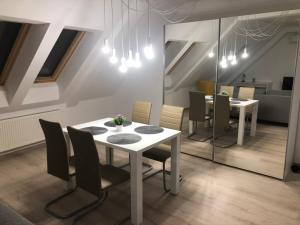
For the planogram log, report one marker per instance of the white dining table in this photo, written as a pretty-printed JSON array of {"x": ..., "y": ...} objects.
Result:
[
  {"x": 136, "y": 158},
  {"x": 243, "y": 106}
]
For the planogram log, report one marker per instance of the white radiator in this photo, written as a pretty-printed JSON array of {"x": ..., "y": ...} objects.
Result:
[{"x": 24, "y": 130}]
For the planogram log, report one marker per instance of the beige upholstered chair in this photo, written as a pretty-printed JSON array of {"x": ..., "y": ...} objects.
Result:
[
  {"x": 141, "y": 112},
  {"x": 227, "y": 89},
  {"x": 246, "y": 93},
  {"x": 170, "y": 117},
  {"x": 222, "y": 124},
  {"x": 197, "y": 114}
]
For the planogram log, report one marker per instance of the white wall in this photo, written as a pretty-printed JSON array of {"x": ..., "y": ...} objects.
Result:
[{"x": 277, "y": 62}]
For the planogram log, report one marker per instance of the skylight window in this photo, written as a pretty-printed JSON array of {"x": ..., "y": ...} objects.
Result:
[
  {"x": 60, "y": 54},
  {"x": 12, "y": 36}
]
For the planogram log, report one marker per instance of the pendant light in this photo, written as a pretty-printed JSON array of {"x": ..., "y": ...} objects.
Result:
[
  {"x": 137, "y": 60},
  {"x": 245, "y": 53},
  {"x": 211, "y": 54},
  {"x": 234, "y": 59},
  {"x": 148, "y": 49},
  {"x": 130, "y": 61},
  {"x": 113, "y": 59},
  {"x": 105, "y": 48},
  {"x": 123, "y": 67}
]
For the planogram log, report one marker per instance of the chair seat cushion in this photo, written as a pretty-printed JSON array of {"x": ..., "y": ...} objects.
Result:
[
  {"x": 160, "y": 153},
  {"x": 111, "y": 176}
]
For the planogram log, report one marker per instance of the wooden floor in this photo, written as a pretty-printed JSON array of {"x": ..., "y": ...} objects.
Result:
[
  {"x": 211, "y": 194},
  {"x": 264, "y": 153}
]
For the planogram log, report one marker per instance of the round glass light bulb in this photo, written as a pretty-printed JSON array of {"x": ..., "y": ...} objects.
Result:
[
  {"x": 211, "y": 54},
  {"x": 123, "y": 68},
  {"x": 234, "y": 60},
  {"x": 148, "y": 51},
  {"x": 137, "y": 61},
  {"x": 113, "y": 59},
  {"x": 105, "y": 48},
  {"x": 230, "y": 56},
  {"x": 245, "y": 54},
  {"x": 130, "y": 61}
]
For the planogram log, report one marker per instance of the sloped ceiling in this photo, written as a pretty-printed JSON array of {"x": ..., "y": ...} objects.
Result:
[{"x": 88, "y": 75}]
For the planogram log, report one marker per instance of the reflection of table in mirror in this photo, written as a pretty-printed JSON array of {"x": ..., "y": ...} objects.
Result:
[{"x": 243, "y": 106}]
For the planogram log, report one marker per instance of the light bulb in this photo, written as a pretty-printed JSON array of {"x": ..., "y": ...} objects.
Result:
[
  {"x": 123, "y": 68},
  {"x": 234, "y": 61},
  {"x": 223, "y": 62},
  {"x": 211, "y": 54},
  {"x": 148, "y": 51},
  {"x": 245, "y": 54},
  {"x": 130, "y": 61},
  {"x": 230, "y": 56},
  {"x": 113, "y": 59},
  {"x": 105, "y": 48},
  {"x": 137, "y": 61}
]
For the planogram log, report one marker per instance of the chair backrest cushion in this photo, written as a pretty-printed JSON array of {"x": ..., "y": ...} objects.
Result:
[
  {"x": 246, "y": 93},
  {"x": 197, "y": 106},
  {"x": 88, "y": 174},
  {"x": 141, "y": 112},
  {"x": 222, "y": 113},
  {"x": 57, "y": 153},
  {"x": 171, "y": 117},
  {"x": 228, "y": 89}
]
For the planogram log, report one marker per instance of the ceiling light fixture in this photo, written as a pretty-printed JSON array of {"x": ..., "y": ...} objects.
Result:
[
  {"x": 123, "y": 68},
  {"x": 211, "y": 54},
  {"x": 113, "y": 59},
  {"x": 148, "y": 49},
  {"x": 137, "y": 60},
  {"x": 105, "y": 48}
]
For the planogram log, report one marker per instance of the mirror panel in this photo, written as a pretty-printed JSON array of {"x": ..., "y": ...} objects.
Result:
[
  {"x": 190, "y": 71},
  {"x": 255, "y": 80}
]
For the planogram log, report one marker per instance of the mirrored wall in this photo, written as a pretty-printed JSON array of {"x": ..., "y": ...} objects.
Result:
[
  {"x": 190, "y": 60},
  {"x": 237, "y": 106}
]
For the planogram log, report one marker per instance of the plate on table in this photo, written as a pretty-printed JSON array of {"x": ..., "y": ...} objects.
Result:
[
  {"x": 148, "y": 129},
  {"x": 124, "y": 138},
  {"x": 112, "y": 124},
  {"x": 95, "y": 130}
]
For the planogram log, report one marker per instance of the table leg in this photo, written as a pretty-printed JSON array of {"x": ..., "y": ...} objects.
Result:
[
  {"x": 136, "y": 187},
  {"x": 254, "y": 120},
  {"x": 191, "y": 127},
  {"x": 175, "y": 164},
  {"x": 109, "y": 155},
  {"x": 241, "y": 130}
]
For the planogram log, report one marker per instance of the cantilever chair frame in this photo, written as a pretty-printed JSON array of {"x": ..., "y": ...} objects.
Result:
[
  {"x": 197, "y": 113},
  {"x": 58, "y": 167},
  {"x": 222, "y": 122},
  {"x": 89, "y": 171}
]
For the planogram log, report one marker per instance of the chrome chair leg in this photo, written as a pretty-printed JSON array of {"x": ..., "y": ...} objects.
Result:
[{"x": 71, "y": 214}]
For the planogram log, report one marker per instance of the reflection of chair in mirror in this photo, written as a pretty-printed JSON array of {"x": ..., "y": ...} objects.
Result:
[
  {"x": 222, "y": 124},
  {"x": 227, "y": 89},
  {"x": 247, "y": 93},
  {"x": 197, "y": 115},
  {"x": 141, "y": 112},
  {"x": 206, "y": 86}
]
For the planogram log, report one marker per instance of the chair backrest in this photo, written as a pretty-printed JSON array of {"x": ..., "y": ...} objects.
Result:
[
  {"x": 141, "y": 112},
  {"x": 246, "y": 92},
  {"x": 222, "y": 113},
  {"x": 88, "y": 174},
  {"x": 57, "y": 152},
  {"x": 171, "y": 117},
  {"x": 227, "y": 89},
  {"x": 197, "y": 106},
  {"x": 206, "y": 86}
]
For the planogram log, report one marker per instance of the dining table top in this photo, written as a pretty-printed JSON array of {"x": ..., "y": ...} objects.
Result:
[
  {"x": 146, "y": 141},
  {"x": 236, "y": 102}
]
